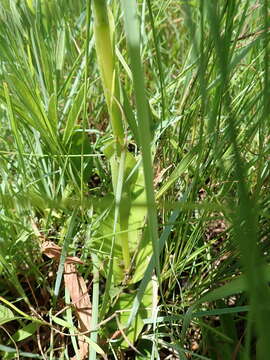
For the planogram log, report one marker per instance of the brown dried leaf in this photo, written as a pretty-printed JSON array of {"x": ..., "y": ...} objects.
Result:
[
  {"x": 81, "y": 301},
  {"x": 50, "y": 249},
  {"x": 159, "y": 175},
  {"x": 77, "y": 290}
]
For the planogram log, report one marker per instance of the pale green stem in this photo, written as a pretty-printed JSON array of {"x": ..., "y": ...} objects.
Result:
[{"x": 103, "y": 30}]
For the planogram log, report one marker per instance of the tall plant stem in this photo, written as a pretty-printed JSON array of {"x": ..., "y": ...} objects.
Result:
[{"x": 103, "y": 30}]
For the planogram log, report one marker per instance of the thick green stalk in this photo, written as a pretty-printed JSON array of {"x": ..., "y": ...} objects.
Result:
[{"x": 103, "y": 30}]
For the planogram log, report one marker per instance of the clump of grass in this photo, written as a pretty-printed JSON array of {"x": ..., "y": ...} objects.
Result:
[{"x": 134, "y": 135}]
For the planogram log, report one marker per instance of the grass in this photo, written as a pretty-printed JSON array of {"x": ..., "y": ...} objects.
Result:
[{"x": 135, "y": 137}]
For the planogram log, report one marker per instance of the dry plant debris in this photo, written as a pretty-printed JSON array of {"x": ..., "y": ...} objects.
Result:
[{"x": 77, "y": 289}]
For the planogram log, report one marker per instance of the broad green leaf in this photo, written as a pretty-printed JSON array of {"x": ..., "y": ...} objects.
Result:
[
  {"x": 131, "y": 172},
  {"x": 25, "y": 332},
  {"x": 124, "y": 306},
  {"x": 23, "y": 314},
  {"x": 150, "y": 267},
  {"x": 132, "y": 216},
  {"x": 132, "y": 220},
  {"x": 6, "y": 315},
  {"x": 138, "y": 231},
  {"x": 145, "y": 252}
]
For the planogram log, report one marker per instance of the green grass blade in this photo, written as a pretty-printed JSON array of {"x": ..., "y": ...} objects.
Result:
[
  {"x": 133, "y": 41},
  {"x": 95, "y": 302},
  {"x": 150, "y": 268},
  {"x": 67, "y": 239}
]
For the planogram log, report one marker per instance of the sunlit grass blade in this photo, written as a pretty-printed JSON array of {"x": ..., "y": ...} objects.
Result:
[
  {"x": 133, "y": 42},
  {"x": 97, "y": 148},
  {"x": 151, "y": 266}
]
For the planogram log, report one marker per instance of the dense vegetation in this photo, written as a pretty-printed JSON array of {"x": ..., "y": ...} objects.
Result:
[{"x": 134, "y": 179}]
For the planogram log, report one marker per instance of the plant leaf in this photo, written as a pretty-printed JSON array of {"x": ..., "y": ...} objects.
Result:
[
  {"x": 6, "y": 315},
  {"x": 25, "y": 332},
  {"x": 123, "y": 306},
  {"x": 73, "y": 115}
]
